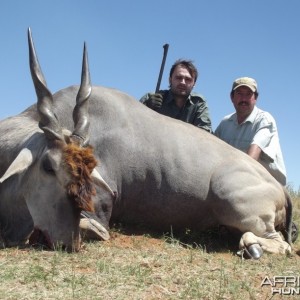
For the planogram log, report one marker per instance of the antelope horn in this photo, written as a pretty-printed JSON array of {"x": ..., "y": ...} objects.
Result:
[
  {"x": 48, "y": 120},
  {"x": 80, "y": 112}
]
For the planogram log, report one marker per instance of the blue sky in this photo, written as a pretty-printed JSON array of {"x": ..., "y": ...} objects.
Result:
[{"x": 125, "y": 38}]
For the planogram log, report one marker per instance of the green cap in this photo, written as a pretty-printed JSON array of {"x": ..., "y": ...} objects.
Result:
[{"x": 245, "y": 81}]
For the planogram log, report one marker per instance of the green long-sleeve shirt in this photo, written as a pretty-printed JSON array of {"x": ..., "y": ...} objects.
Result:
[{"x": 195, "y": 110}]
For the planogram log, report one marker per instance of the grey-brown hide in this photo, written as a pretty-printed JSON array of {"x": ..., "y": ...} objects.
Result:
[{"x": 168, "y": 173}]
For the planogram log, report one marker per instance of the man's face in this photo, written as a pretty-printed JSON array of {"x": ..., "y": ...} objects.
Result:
[
  {"x": 243, "y": 100},
  {"x": 181, "y": 82}
]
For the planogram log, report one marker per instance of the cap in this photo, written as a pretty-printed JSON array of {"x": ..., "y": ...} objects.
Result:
[{"x": 245, "y": 81}]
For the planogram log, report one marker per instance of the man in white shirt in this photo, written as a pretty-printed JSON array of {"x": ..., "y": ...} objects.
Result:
[{"x": 252, "y": 130}]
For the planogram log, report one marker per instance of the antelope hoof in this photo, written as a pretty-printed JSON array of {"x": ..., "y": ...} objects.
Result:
[{"x": 254, "y": 251}]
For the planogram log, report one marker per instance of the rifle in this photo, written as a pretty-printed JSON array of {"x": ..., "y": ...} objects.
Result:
[{"x": 166, "y": 48}]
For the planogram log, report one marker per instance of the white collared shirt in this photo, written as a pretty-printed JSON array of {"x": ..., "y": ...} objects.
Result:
[{"x": 260, "y": 129}]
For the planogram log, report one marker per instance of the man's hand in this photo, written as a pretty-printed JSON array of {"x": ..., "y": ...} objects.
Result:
[{"x": 154, "y": 101}]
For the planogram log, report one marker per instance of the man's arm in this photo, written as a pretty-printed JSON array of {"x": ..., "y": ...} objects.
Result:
[
  {"x": 202, "y": 117},
  {"x": 254, "y": 151}
]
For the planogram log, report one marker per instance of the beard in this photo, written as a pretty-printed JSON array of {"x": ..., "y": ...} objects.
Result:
[{"x": 180, "y": 91}]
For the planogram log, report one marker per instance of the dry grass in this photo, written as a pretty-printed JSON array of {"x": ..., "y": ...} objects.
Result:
[{"x": 144, "y": 267}]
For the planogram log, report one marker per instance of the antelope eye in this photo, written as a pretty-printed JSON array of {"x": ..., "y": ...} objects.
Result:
[{"x": 47, "y": 166}]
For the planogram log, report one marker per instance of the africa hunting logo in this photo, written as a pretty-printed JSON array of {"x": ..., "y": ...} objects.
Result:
[{"x": 282, "y": 285}]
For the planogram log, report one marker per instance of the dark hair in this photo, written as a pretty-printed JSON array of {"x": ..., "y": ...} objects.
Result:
[{"x": 188, "y": 64}]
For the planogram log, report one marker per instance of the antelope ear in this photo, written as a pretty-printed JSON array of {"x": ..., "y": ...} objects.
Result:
[
  {"x": 97, "y": 178},
  {"x": 21, "y": 163}
]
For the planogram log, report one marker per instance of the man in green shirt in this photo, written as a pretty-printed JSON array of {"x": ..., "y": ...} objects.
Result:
[{"x": 179, "y": 102}]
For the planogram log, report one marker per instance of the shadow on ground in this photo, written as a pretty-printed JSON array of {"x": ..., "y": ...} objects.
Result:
[{"x": 213, "y": 240}]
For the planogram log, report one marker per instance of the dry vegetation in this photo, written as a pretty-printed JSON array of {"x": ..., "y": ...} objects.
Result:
[{"x": 133, "y": 265}]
